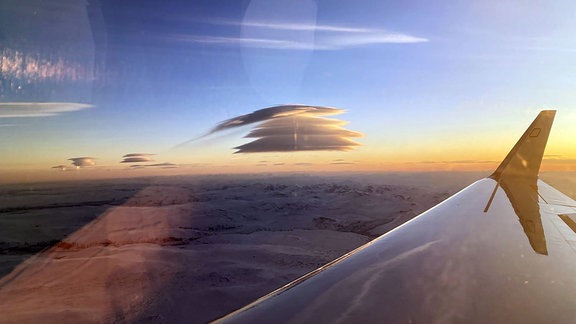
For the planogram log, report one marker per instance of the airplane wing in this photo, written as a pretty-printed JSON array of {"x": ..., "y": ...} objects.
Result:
[{"x": 501, "y": 250}]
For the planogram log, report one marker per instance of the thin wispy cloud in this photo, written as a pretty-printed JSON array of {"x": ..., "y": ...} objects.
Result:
[
  {"x": 309, "y": 27},
  {"x": 559, "y": 160},
  {"x": 454, "y": 162},
  {"x": 268, "y": 43},
  {"x": 38, "y": 109},
  {"x": 342, "y": 163},
  {"x": 165, "y": 165},
  {"x": 380, "y": 37},
  {"x": 281, "y": 35}
]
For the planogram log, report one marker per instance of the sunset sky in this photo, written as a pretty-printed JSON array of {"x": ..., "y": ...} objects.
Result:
[{"x": 445, "y": 85}]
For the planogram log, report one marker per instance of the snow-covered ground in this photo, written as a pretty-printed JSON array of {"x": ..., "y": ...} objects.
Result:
[{"x": 189, "y": 248}]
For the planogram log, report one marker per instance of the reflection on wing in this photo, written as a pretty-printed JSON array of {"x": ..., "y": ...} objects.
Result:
[
  {"x": 570, "y": 220},
  {"x": 465, "y": 260},
  {"x": 524, "y": 200},
  {"x": 518, "y": 174}
]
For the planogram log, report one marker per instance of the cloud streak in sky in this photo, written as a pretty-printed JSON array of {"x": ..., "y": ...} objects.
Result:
[
  {"x": 248, "y": 42},
  {"x": 165, "y": 165},
  {"x": 455, "y": 162},
  {"x": 38, "y": 109},
  {"x": 299, "y": 26},
  {"x": 285, "y": 36}
]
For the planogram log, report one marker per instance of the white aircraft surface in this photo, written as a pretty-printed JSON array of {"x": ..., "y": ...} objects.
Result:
[{"x": 501, "y": 250}]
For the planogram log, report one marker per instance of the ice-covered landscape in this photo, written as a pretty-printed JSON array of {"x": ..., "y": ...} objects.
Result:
[{"x": 192, "y": 248}]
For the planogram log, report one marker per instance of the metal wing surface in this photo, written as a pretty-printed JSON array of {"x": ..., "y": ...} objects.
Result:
[{"x": 501, "y": 250}]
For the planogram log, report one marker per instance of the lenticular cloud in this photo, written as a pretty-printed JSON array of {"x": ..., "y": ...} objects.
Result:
[
  {"x": 38, "y": 109},
  {"x": 137, "y": 158},
  {"x": 291, "y": 128},
  {"x": 82, "y": 161},
  {"x": 300, "y": 133},
  {"x": 275, "y": 112}
]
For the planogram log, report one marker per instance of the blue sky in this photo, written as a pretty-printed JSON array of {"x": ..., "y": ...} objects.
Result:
[{"x": 423, "y": 81}]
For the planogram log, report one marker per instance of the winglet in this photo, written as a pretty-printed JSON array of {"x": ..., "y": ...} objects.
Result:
[{"x": 526, "y": 156}]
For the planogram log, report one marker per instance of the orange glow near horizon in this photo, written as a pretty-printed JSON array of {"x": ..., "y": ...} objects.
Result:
[
  {"x": 372, "y": 156},
  {"x": 278, "y": 164}
]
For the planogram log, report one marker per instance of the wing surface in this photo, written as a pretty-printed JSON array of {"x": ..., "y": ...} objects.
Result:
[{"x": 501, "y": 250}]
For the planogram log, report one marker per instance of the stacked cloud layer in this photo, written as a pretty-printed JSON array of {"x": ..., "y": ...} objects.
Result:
[{"x": 289, "y": 128}]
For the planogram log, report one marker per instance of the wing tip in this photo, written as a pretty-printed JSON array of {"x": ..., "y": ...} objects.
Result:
[{"x": 526, "y": 156}]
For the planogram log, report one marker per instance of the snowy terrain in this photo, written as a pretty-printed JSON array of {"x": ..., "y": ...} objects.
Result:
[{"x": 190, "y": 248}]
